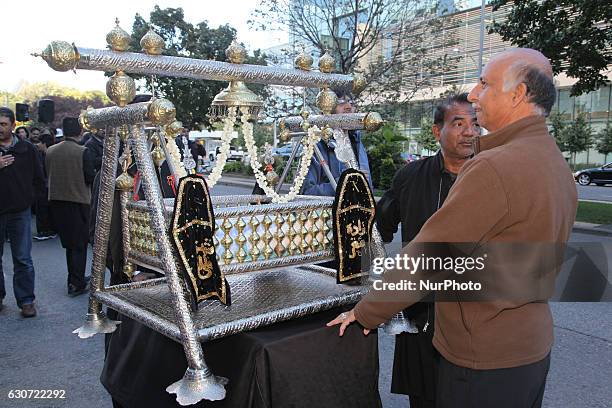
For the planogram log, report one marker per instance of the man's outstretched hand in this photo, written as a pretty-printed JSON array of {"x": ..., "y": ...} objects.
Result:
[{"x": 344, "y": 319}]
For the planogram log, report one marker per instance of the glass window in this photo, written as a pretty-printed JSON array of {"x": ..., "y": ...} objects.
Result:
[
  {"x": 566, "y": 104},
  {"x": 601, "y": 103}
]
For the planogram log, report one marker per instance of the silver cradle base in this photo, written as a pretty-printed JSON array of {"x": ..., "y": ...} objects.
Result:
[
  {"x": 96, "y": 323},
  {"x": 197, "y": 385},
  {"x": 259, "y": 298}
]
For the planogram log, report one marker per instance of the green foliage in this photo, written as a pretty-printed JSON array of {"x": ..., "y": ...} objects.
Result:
[
  {"x": 572, "y": 137},
  {"x": 604, "y": 142},
  {"x": 577, "y": 137},
  {"x": 426, "y": 138},
  {"x": 233, "y": 167},
  {"x": 384, "y": 148},
  {"x": 574, "y": 35},
  {"x": 557, "y": 129},
  {"x": 596, "y": 213},
  {"x": 191, "y": 98},
  {"x": 68, "y": 101}
]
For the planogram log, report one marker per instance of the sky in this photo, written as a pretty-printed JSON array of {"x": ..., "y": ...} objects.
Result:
[{"x": 86, "y": 23}]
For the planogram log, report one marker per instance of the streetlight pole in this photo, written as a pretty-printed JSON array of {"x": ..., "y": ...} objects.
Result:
[{"x": 482, "y": 13}]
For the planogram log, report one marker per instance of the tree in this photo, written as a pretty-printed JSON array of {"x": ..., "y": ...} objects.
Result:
[
  {"x": 383, "y": 148},
  {"x": 389, "y": 41},
  {"x": 192, "y": 98},
  {"x": 558, "y": 129},
  {"x": 574, "y": 35},
  {"x": 604, "y": 143},
  {"x": 425, "y": 138},
  {"x": 68, "y": 101},
  {"x": 577, "y": 137}
]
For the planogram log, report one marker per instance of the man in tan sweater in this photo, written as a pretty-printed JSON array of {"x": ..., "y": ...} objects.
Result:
[{"x": 495, "y": 353}]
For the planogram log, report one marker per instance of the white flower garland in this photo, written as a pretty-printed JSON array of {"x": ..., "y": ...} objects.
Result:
[
  {"x": 226, "y": 138},
  {"x": 174, "y": 155},
  {"x": 311, "y": 141}
]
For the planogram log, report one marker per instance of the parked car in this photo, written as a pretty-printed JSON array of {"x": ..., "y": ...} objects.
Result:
[
  {"x": 409, "y": 157},
  {"x": 285, "y": 151},
  {"x": 598, "y": 175},
  {"x": 234, "y": 154}
]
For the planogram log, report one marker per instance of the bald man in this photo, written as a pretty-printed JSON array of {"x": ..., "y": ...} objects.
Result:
[{"x": 495, "y": 351}]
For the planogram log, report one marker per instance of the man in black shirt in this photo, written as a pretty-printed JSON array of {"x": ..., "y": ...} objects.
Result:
[
  {"x": 21, "y": 179},
  {"x": 418, "y": 190}
]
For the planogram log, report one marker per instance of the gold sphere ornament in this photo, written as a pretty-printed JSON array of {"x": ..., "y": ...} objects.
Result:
[
  {"x": 327, "y": 101},
  {"x": 123, "y": 132},
  {"x": 327, "y": 63},
  {"x": 125, "y": 182},
  {"x": 84, "y": 119},
  {"x": 303, "y": 61},
  {"x": 326, "y": 133},
  {"x": 118, "y": 39},
  {"x": 359, "y": 83},
  {"x": 272, "y": 178},
  {"x": 236, "y": 53},
  {"x": 372, "y": 121},
  {"x": 121, "y": 89},
  {"x": 60, "y": 55},
  {"x": 162, "y": 112},
  {"x": 152, "y": 43},
  {"x": 129, "y": 269},
  {"x": 174, "y": 128},
  {"x": 285, "y": 135},
  {"x": 158, "y": 156}
]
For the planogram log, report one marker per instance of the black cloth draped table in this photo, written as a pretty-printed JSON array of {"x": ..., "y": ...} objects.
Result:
[{"x": 299, "y": 363}]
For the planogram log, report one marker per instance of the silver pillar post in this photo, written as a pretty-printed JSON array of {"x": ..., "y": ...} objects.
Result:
[
  {"x": 95, "y": 320},
  {"x": 198, "y": 382}
]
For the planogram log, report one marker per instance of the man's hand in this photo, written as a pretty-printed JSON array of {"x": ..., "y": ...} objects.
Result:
[
  {"x": 6, "y": 160},
  {"x": 344, "y": 319}
]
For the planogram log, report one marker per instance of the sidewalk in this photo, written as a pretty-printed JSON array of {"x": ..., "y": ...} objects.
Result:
[{"x": 249, "y": 182}]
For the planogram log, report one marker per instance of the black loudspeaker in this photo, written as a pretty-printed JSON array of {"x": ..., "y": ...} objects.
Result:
[
  {"x": 22, "y": 112},
  {"x": 46, "y": 110}
]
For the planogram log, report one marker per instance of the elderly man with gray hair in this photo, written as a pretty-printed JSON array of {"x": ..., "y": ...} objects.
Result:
[{"x": 495, "y": 352}]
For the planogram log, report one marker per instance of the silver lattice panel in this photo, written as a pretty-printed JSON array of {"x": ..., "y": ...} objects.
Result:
[{"x": 258, "y": 299}]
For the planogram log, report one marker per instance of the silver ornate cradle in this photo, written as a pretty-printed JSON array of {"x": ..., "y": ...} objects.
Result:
[{"x": 267, "y": 251}]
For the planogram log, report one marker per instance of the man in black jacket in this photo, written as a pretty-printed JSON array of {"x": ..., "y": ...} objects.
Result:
[
  {"x": 418, "y": 190},
  {"x": 21, "y": 179},
  {"x": 95, "y": 146}
]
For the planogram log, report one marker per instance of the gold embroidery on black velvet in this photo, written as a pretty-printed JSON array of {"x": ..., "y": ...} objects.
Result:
[
  {"x": 354, "y": 211},
  {"x": 198, "y": 259}
]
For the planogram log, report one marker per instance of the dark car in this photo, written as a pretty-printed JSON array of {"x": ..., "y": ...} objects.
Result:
[{"x": 598, "y": 175}]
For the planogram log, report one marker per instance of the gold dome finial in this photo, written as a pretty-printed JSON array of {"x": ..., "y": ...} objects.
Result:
[
  {"x": 162, "y": 112},
  {"x": 236, "y": 53},
  {"x": 372, "y": 121},
  {"x": 327, "y": 101},
  {"x": 303, "y": 61},
  {"x": 152, "y": 43},
  {"x": 118, "y": 39},
  {"x": 121, "y": 89},
  {"x": 60, "y": 55},
  {"x": 359, "y": 83},
  {"x": 327, "y": 63}
]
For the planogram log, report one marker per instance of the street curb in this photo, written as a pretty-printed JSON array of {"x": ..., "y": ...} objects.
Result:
[{"x": 593, "y": 229}]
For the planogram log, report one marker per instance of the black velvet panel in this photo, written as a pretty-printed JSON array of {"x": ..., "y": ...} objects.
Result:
[
  {"x": 353, "y": 217},
  {"x": 193, "y": 229}
]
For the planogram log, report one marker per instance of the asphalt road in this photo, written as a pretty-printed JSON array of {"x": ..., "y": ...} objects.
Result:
[
  {"x": 42, "y": 353},
  {"x": 593, "y": 192}
]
